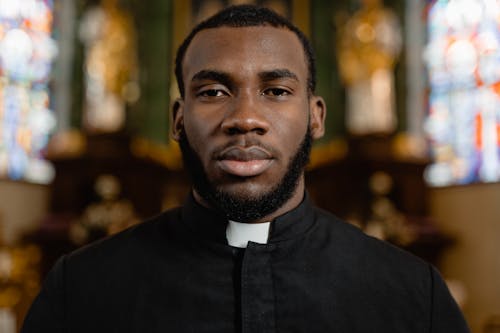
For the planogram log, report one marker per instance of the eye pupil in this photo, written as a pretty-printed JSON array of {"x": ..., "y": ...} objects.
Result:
[{"x": 277, "y": 92}]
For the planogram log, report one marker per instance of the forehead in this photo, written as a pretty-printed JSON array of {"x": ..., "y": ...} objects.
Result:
[{"x": 245, "y": 50}]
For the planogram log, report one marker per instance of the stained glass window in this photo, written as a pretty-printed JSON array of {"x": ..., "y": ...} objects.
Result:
[
  {"x": 463, "y": 60},
  {"x": 26, "y": 53}
]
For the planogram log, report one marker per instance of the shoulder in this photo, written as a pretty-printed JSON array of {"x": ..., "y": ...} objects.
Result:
[
  {"x": 374, "y": 256},
  {"x": 375, "y": 273},
  {"x": 130, "y": 245},
  {"x": 390, "y": 286}
]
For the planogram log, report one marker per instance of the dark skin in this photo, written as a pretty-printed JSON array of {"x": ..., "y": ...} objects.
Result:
[{"x": 246, "y": 108}]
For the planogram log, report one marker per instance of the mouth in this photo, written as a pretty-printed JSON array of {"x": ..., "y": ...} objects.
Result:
[{"x": 244, "y": 162}]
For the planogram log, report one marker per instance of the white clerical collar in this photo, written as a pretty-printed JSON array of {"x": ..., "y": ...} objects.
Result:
[{"x": 239, "y": 234}]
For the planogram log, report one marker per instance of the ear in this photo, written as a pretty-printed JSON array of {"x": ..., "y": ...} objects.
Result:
[
  {"x": 178, "y": 119},
  {"x": 317, "y": 111}
]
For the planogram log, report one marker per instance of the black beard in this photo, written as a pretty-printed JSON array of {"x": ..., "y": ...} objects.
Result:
[{"x": 246, "y": 209}]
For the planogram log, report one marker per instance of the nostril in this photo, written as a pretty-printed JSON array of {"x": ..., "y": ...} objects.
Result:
[
  {"x": 260, "y": 131},
  {"x": 233, "y": 131},
  {"x": 244, "y": 120}
]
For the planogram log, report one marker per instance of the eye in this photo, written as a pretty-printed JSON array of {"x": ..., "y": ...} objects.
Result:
[
  {"x": 212, "y": 93},
  {"x": 276, "y": 92}
]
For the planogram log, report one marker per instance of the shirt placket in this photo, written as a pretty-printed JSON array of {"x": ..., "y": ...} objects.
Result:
[{"x": 257, "y": 290}]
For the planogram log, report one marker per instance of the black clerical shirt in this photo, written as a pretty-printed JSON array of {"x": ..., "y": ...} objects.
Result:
[{"x": 176, "y": 273}]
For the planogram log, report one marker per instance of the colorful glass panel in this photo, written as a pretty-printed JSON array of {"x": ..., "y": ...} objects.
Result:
[
  {"x": 463, "y": 61},
  {"x": 26, "y": 54}
]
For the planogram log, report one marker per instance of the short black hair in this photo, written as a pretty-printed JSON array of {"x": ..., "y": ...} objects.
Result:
[{"x": 246, "y": 16}]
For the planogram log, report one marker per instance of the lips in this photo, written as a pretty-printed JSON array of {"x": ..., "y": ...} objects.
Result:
[{"x": 244, "y": 162}]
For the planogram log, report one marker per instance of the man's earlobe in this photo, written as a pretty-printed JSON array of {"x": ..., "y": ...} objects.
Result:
[
  {"x": 178, "y": 119},
  {"x": 318, "y": 115}
]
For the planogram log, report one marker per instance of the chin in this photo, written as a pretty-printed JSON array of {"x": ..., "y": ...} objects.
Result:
[{"x": 246, "y": 190}]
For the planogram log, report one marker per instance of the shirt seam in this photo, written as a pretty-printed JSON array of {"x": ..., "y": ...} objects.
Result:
[
  {"x": 431, "y": 305},
  {"x": 271, "y": 266}
]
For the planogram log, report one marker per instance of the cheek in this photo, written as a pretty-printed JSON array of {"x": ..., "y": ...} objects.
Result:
[
  {"x": 201, "y": 120},
  {"x": 196, "y": 133},
  {"x": 291, "y": 129}
]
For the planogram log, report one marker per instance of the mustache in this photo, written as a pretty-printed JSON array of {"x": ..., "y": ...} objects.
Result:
[{"x": 247, "y": 150}]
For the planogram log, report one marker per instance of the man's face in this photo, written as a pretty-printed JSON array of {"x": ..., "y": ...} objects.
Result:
[{"x": 246, "y": 109}]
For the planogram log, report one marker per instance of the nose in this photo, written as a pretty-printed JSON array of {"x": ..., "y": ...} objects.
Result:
[{"x": 244, "y": 116}]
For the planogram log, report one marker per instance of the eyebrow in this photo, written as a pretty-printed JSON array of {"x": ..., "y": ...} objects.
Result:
[
  {"x": 225, "y": 79},
  {"x": 277, "y": 74},
  {"x": 213, "y": 75}
]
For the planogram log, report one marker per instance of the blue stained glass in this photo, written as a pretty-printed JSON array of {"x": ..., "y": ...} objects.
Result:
[
  {"x": 26, "y": 55},
  {"x": 463, "y": 61}
]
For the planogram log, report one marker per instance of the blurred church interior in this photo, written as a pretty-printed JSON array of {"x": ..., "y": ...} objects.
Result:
[{"x": 411, "y": 154}]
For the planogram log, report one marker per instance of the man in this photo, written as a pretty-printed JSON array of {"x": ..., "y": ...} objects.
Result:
[{"x": 247, "y": 252}]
